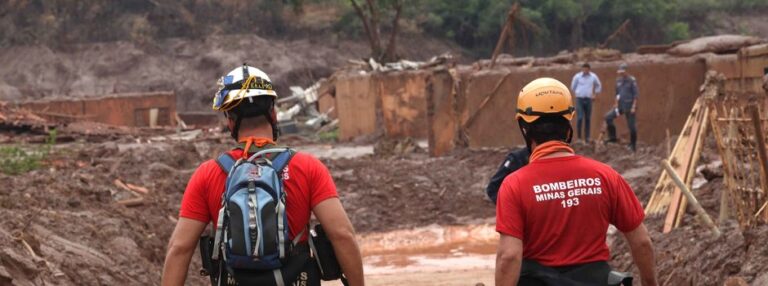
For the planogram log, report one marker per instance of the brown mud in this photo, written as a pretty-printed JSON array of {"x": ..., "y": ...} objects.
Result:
[{"x": 421, "y": 220}]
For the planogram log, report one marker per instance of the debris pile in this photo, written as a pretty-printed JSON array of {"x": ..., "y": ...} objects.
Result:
[
  {"x": 371, "y": 65},
  {"x": 739, "y": 132},
  {"x": 562, "y": 58},
  {"x": 20, "y": 120}
]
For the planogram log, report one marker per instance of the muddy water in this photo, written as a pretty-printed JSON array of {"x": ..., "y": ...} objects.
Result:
[
  {"x": 432, "y": 255},
  {"x": 336, "y": 151}
]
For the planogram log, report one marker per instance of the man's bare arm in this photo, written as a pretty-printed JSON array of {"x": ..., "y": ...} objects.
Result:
[
  {"x": 642, "y": 253},
  {"x": 509, "y": 258},
  {"x": 340, "y": 232},
  {"x": 181, "y": 247}
]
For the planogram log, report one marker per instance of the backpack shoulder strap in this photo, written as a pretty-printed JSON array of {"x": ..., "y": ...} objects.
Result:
[
  {"x": 225, "y": 162},
  {"x": 280, "y": 161}
]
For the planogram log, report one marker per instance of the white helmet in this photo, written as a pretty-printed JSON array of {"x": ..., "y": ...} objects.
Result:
[{"x": 239, "y": 84}]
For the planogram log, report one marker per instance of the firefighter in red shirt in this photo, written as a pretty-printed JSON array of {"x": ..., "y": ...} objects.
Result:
[
  {"x": 248, "y": 99},
  {"x": 553, "y": 214}
]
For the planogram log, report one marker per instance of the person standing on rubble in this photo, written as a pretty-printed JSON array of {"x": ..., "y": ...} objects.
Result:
[
  {"x": 247, "y": 98},
  {"x": 586, "y": 86},
  {"x": 553, "y": 214},
  {"x": 626, "y": 104}
]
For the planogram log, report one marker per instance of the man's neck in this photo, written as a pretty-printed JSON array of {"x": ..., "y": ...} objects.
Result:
[
  {"x": 553, "y": 155},
  {"x": 258, "y": 133}
]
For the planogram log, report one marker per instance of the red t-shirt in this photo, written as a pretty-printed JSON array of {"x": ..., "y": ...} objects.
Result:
[
  {"x": 307, "y": 183},
  {"x": 561, "y": 207}
]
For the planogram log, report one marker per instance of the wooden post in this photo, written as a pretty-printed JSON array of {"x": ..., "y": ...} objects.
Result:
[
  {"x": 659, "y": 198},
  {"x": 693, "y": 161},
  {"x": 761, "y": 152},
  {"x": 471, "y": 119},
  {"x": 621, "y": 29},
  {"x": 702, "y": 214},
  {"x": 683, "y": 161},
  {"x": 726, "y": 158},
  {"x": 505, "y": 32}
]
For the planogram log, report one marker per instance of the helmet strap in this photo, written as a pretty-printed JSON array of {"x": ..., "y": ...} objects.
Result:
[
  {"x": 236, "y": 129},
  {"x": 521, "y": 124},
  {"x": 271, "y": 117},
  {"x": 523, "y": 130}
]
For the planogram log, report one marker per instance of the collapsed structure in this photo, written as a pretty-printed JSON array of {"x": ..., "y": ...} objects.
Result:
[
  {"x": 473, "y": 106},
  {"x": 731, "y": 103},
  {"x": 130, "y": 109}
]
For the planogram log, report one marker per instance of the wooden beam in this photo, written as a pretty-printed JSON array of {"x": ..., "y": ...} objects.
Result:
[
  {"x": 132, "y": 202},
  {"x": 702, "y": 214},
  {"x": 659, "y": 198},
  {"x": 725, "y": 205},
  {"x": 620, "y": 30},
  {"x": 693, "y": 161},
  {"x": 505, "y": 32},
  {"x": 485, "y": 101},
  {"x": 761, "y": 152},
  {"x": 683, "y": 167}
]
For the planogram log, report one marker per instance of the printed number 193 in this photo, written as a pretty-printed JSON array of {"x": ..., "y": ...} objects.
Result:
[{"x": 570, "y": 202}]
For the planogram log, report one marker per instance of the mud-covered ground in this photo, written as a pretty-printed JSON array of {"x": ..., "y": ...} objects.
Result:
[{"x": 66, "y": 215}]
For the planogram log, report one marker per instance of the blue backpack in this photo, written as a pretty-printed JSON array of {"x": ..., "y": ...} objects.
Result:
[{"x": 252, "y": 229}]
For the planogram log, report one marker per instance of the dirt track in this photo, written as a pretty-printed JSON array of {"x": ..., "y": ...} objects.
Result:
[{"x": 66, "y": 213}]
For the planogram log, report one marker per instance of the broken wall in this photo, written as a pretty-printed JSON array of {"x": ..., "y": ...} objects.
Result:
[
  {"x": 356, "y": 100},
  {"x": 743, "y": 71},
  {"x": 394, "y": 104},
  {"x": 668, "y": 88},
  {"x": 135, "y": 109}
]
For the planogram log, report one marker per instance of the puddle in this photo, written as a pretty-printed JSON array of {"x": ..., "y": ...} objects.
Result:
[
  {"x": 336, "y": 151},
  {"x": 430, "y": 249}
]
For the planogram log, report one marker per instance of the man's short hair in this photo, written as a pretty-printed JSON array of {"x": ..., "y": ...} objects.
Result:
[
  {"x": 586, "y": 65},
  {"x": 547, "y": 128},
  {"x": 253, "y": 112}
]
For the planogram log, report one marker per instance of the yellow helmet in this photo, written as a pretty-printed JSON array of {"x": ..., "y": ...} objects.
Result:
[{"x": 544, "y": 97}]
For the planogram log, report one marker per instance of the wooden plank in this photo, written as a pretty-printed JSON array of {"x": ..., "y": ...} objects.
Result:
[
  {"x": 485, "y": 101},
  {"x": 694, "y": 160},
  {"x": 726, "y": 158},
  {"x": 682, "y": 167},
  {"x": 761, "y": 151},
  {"x": 132, "y": 202},
  {"x": 659, "y": 197},
  {"x": 506, "y": 32},
  {"x": 702, "y": 214},
  {"x": 739, "y": 119}
]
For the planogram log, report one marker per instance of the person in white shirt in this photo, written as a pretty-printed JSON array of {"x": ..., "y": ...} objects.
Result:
[{"x": 585, "y": 85}]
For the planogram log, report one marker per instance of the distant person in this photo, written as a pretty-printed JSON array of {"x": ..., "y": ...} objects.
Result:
[
  {"x": 626, "y": 104},
  {"x": 247, "y": 98},
  {"x": 553, "y": 214},
  {"x": 586, "y": 86}
]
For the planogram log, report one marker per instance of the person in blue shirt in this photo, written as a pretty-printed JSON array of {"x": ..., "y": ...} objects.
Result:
[
  {"x": 585, "y": 85},
  {"x": 626, "y": 104}
]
